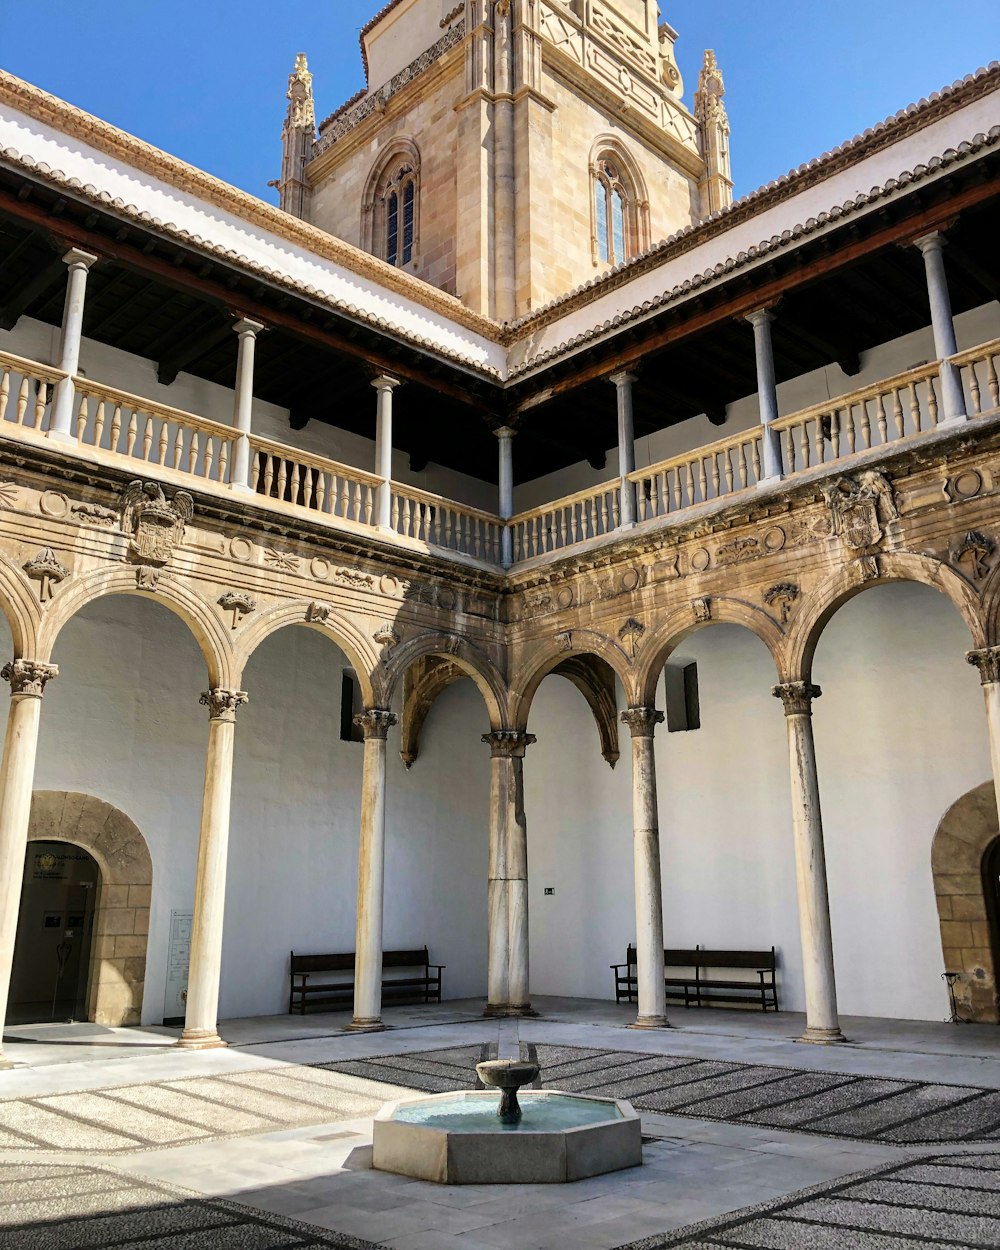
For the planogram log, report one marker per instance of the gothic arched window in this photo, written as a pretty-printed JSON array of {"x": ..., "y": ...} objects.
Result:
[
  {"x": 400, "y": 216},
  {"x": 620, "y": 209},
  {"x": 390, "y": 221}
]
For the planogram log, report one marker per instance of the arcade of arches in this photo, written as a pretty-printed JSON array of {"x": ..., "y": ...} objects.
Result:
[{"x": 734, "y": 843}]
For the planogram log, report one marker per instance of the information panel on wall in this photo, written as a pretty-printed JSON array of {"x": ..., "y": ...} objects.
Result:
[{"x": 178, "y": 957}]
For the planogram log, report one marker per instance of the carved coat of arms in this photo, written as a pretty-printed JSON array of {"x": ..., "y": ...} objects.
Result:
[
  {"x": 859, "y": 507},
  {"x": 154, "y": 524}
]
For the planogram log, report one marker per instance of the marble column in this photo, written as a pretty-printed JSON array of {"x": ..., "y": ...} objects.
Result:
[
  {"x": 383, "y": 449},
  {"x": 952, "y": 397},
  {"x": 987, "y": 661},
  {"x": 201, "y": 1018},
  {"x": 767, "y": 393},
  {"x": 61, "y": 419},
  {"x": 507, "y": 900},
  {"x": 243, "y": 401},
  {"x": 505, "y": 435},
  {"x": 652, "y": 1013},
  {"x": 27, "y": 684},
  {"x": 626, "y": 447},
  {"x": 375, "y": 723},
  {"x": 822, "y": 1022}
]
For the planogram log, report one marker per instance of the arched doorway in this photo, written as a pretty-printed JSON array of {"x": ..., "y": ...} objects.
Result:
[
  {"x": 966, "y": 862},
  {"x": 55, "y": 929},
  {"x": 110, "y": 977}
]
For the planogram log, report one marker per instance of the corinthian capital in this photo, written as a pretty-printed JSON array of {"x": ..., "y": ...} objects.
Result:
[
  {"x": 797, "y": 697},
  {"x": 28, "y": 677},
  {"x": 508, "y": 743},
  {"x": 375, "y": 722},
  {"x": 987, "y": 660},
  {"x": 642, "y": 721},
  {"x": 222, "y": 704}
]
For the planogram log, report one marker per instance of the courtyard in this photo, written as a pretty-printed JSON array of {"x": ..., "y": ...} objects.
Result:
[{"x": 114, "y": 1138}]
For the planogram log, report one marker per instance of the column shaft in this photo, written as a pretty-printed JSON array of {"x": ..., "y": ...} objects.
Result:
[
  {"x": 504, "y": 190},
  {"x": 767, "y": 393},
  {"x": 943, "y": 325},
  {"x": 383, "y": 450},
  {"x": 626, "y": 448},
  {"x": 508, "y": 968},
  {"x": 505, "y": 436},
  {"x": 376, "y": 724},
  {"x": 651, "y": 991},
  {"x": 27, "y": 680},
  {"x": 243, "y": 401},
  {"x": 822, "y": 1021},
  {"x": 987, "y": 661},
  {"x": 61, "y": 420},
  {"x": 201, "y": 1018}
]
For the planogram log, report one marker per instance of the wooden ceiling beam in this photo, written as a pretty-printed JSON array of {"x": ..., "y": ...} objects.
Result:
[{"x": 20, "y": 299}]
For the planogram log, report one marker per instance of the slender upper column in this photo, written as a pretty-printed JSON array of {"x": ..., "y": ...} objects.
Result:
[
  {"x": 383, "y": 449},
  {"x": 507, "y": 975},
  {"x": 626, "y": 447},
  {"x": 61, "y": 420},
  {"x": 243, "y": 401},
  {"x": 201, "y": 1020},
  {"x": 652, "y": 1013},
  {"x": 767, "y": 393},
  {"x": 27, "y": 684},
  {"x": 505, "y": 437},
  {"x": 943, "y": 324},
  {"x": 504, "y": 185},
  {"x": 987, "y": 661},
  {"x": 822, "y": 1021},
  {"x": 375, "y": 723}
]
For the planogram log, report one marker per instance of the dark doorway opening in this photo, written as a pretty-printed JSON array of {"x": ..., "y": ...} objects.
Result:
[
  {"x": 991, "y": 891},
  {"x": 55, "y": 928}
]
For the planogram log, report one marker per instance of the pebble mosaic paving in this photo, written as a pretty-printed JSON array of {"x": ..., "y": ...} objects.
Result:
[
  {"x": 952, "y": 1200},
  {"x": 896, "y": 1112}
]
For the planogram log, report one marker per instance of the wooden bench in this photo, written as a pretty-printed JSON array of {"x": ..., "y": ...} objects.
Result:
[
  {"x": 699, "y": 989},
  {"x": 423, "y": 985}
]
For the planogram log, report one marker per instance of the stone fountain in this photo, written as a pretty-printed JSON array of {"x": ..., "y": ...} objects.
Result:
[{"x": 485, "y": 1137}]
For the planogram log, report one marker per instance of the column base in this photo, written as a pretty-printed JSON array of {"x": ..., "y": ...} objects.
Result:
[
  {"x": 361, "y": 1025},
  {"x": 960, "y": 418},
  {"x": 241, "y": 488},
  {"x": 506, "y": 1010},
  {"x": 60, "y": 436},
  {"x": 770, "y": 480},
  {"x": 821, "y": 1037},
  {"x": 650, "y": 1022},
  {"x": 200, "y": 1039}
]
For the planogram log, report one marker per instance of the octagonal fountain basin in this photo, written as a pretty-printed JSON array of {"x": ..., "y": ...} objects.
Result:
[{"x": 458, "y": 1139}]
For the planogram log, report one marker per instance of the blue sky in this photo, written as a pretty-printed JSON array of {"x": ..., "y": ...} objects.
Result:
[{"x": 206, "y": 80}]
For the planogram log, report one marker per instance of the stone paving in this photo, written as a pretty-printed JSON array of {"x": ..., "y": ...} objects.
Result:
[{"x": 836, "y": 1105}]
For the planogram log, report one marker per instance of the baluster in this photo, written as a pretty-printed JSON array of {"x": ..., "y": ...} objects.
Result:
[
  {"x": 193, "y": 459},
  {"x": 147, "y": 436},
  {"x": 804, "y": 446},
  {"x": 994, "y": 383},
  {"x": 164, "y": 440},
  {"x": 727, "y": 468},
  {"x": 741, "y": 465},
  {"x": 702, "y": 478},
  {"x": 914, "y": 407},
  {"x": 616, "y": 509},
  {"x": 356, "y": 507},
  {"x": 689, "y": 481},
  {"x": 39, "y": 414},
  {"x": 268, "y": 475},
  {"x": 99, "y": 419},
  {"x": 178, "y": 446},
  {"x": 449, "y": 528},
  {"x": 755, "y": 451},
  {"x": 209, "y": 458},
  {"x": 659, "y": 494},
  {"x": 973, "y": 389},
  {"x": 932, "y": 404},
  {"x": 394, "y": 514},
  {"x": 282, "y": 477},
  {"x": 223, "y": 460},
  {"x": 716, "y": 476},
  {"x": 436, "y": 527},
  {"x": 466, "y": 536},
  {"x": 294, "y": 482},
  {"x": 866, "y": 425},
  {"x": 604, "y": 514},
  {"x": 131, "y": 432},
  {"x": 477, "y": 545},
  {"x": 5, "y": 396},
  {"x": 325, "y": 486},
  {"x": 369, "y": 498},
  {"x": 897, "y": 413},
  {"x": 116, "y": 428},
  {"x": 81, "y": 416},
  {"x": 22, "y": 400},
  {"x": 881, "y": 420},
  {"x": 308, "y": 477}
]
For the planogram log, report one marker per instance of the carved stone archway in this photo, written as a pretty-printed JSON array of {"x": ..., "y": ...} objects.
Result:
[
  {"x": 121, "y": 923},
  {"x": 965, "y": 834}
]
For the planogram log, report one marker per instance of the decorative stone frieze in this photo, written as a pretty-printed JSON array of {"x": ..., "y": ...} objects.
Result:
[
  {"x": 28, "y": 677},
  {"x": 987, "y": 661},
  {"x": 797, "y": 697},
  {"x": 642, "y": 721},
  {"x": 48, "y": 571},
  {"x": 222, "y": 704},
  {"x": 375, "y": 722},
  {"x": 509, "y": 743},
  {"x": 154, "y": 524}
]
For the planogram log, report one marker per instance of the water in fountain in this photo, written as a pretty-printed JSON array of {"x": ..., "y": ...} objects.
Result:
[{"x": 477, "y": 1113}]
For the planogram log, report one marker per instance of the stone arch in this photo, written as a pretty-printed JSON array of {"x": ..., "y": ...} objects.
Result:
[
  {"x": 20, "y": 607},
  {"x": 327, "y": 621},
  {"x": 121, "y": 924},
  {"x": 967, "y": 831},
  {"x": 853, "y": 578},
  {"x": 204, "y": 622},
  {"x": 591, "y": 661},
  {"x": 681, "y": 624}
]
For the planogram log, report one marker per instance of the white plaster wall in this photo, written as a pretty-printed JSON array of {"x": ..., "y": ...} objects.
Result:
[
  {"x": 978, "y": 325},
  {"x": 122, "y": 722},
  {"x": 127, "y": 372}
]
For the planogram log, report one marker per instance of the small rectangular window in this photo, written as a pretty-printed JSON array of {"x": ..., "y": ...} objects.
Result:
[
  {"x": 350, "y": 706},
  {"x": 681, "y": 692}
]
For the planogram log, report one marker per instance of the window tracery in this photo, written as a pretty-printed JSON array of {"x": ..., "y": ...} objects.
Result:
[
  {"x": 620, "y": 209},
  {"x": 391, "y": 213}
]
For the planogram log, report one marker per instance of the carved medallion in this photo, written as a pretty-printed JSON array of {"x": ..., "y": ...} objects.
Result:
[
  {"x": 631, "y": 633},
  {"x": 783, "y": 596},
  {"x": 154, "y": 524},
  {"x": 973, "y": 553},
  {"x": 147, "y": 577},
  {"x": 319, "y": 613},
  {"x": 239, "y": 604},
  {"x": 46, "y": 569},
  {"x": 859, "y": 507},
  {"x": 702, "y": 609}
]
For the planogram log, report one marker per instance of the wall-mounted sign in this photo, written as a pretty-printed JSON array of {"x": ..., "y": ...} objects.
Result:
[{"x": 178, "y": 957}]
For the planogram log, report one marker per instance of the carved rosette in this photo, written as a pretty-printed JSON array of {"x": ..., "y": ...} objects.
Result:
[
  {"x": 508, "y": 743},
  {"x": 797, "y": 697},
  {"x": 642, "y": 721},
  {"x": 375, "y": 722},
  {"x": 28, "y": 677},
  {"x": 222, "y": 704},
  {"x": 987, "y": 660}
]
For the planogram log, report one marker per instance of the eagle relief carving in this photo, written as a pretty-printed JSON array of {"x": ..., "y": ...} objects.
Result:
[{"x": 154, "y": 524}]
